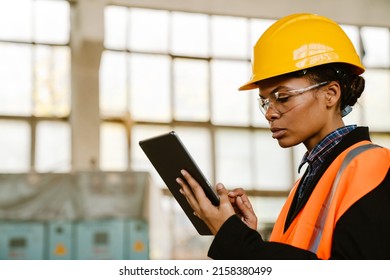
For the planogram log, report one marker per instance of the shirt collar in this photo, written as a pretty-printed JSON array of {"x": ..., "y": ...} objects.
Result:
[{"x": 317, "y": 155}]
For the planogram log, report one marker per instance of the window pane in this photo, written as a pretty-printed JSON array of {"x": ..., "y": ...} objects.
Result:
[
  {"x": 267, "y": 209},
  {"x": 376, "y": 42},
  {"x": 52, "y": 85},
  {"x": 191, "y": 89},
  {"x": 228, "y": 105},
  {"x": 139, "y": 161},
  {"x": 52, "y": 21},
  {"x": 115, "y": 19},
  {"x": 272, "y": 163},
  {"x": 229, "y": 36},
  {"x": 113, "y": 94},
  {"x": 198, "y": 143},
  {"x": 233, "y": 155},
  {"x": 113, "y": 147},
  {"x": 15, "y": 20},
  {"x": 53, "y": 148},
  {"x": 190, "y": 34},
  {"x": 353, "y": 34},
  {"x": 150, "y": 87},
  {"x": 382, "y": 140},
  {"x": 148, "y": 30},
  {"x": 376, "y": 99},
  {"x": 14, "y": 146},
  {"x": 16, "y": 79}
]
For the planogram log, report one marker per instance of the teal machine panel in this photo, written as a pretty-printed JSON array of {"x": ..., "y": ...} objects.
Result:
[
  {"x": 99, "y": 240},
  {"x": 60, "y": 240},
  {"x": 21, "y": 241},
  {"x": 136, "y": 240}
]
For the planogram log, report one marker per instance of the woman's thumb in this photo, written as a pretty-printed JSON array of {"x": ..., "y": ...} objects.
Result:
[{"x": 222, "y": 192}]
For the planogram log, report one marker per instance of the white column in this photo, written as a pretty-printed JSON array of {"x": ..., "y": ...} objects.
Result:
[{"x": 87, "y": 30}]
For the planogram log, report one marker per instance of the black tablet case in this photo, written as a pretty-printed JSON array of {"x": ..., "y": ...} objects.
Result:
[{"x": 168, "y": 155}]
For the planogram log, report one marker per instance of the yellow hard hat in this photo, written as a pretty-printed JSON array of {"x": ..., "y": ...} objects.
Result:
[{"x": 297, "y": 42}]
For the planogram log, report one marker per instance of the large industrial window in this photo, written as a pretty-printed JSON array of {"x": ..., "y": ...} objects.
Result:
[
  {"x": 168, "y": 70},
  {"x": 162, "y": 70},
  {"x": 35, "y": 86}
]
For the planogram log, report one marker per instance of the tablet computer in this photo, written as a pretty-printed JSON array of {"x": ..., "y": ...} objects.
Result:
[{"x": 168, "y": 155}]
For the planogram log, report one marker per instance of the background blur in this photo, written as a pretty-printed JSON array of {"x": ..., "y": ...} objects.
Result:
[{"x": 82, "y": 81}]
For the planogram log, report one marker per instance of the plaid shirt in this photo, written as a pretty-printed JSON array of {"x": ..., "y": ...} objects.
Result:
[{"x": 317, "y": 156}]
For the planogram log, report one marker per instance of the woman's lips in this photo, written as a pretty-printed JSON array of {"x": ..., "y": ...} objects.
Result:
[{"x": 278, "y": 132}]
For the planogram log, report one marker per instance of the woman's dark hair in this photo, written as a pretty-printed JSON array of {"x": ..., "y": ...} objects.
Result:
[{"x": 351, "y": 84}]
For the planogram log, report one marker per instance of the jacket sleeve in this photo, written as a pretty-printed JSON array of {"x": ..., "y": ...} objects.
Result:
[{"x": 235, "y": 240}]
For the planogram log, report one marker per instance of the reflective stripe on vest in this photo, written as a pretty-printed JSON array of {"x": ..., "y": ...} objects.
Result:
[{"x": 316, "y": 237}]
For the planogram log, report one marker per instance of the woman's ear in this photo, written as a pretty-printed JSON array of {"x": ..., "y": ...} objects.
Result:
[{"x": 332, "y": 94}]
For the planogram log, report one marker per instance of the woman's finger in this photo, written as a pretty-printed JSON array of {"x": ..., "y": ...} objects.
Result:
[
  {"x": 187, "y": 192},
  {"x": 195, "y": 187},
  {"x": 246, "y": 202},
  {"x": 236, "y": 192},
  {"x": 248, "y": 216}
]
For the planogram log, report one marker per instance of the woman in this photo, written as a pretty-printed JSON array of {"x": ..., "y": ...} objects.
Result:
[{"x": 308, "y": 75}]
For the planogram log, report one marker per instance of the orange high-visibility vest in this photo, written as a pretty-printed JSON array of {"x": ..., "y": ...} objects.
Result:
[{"x": 354, "y": 173}]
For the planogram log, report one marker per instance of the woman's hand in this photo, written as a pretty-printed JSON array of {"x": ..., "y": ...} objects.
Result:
[
  {"x": 243, "y": 207},
  {"x": 213, "y": 216}
]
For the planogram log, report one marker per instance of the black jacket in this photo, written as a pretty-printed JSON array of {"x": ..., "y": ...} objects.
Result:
[{"x": 362, "y": 232}]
